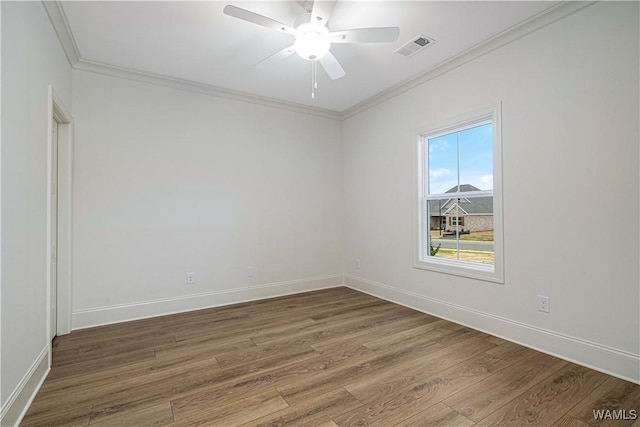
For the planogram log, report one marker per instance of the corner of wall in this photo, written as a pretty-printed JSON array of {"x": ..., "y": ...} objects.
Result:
[
  {"x": 160, "y": 307},
  {"x": 19, "y": 401},
  {"x": 601, "y": 358}
]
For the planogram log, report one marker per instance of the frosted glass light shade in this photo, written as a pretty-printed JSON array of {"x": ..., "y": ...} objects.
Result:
[{"x": 312, "y": 45}]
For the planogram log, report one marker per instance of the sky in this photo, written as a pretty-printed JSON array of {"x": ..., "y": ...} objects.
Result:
[{"x": 476, "y": 159}]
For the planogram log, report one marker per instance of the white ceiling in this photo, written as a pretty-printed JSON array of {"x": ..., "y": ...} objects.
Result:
[{"x": 195, "y": 41}]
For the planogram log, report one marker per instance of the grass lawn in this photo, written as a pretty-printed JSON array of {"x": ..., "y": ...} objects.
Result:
[
  {"x": 478, "y": 236},
  {"x": 483, "y": 257}
]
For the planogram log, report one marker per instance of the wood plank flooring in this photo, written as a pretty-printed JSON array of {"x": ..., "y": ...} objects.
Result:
[{"x": 328, "y": 358}]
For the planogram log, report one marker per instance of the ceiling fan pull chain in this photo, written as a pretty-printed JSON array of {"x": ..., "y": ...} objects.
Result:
[{"x": 314, "y": 84}]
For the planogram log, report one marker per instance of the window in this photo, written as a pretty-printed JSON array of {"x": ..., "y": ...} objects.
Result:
[
  {"x": 459, "y": 197},
  {"x": 456, "y": 221}
]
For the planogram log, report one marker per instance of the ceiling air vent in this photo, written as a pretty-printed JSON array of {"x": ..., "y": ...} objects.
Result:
[{"x": 416, "y": 45}]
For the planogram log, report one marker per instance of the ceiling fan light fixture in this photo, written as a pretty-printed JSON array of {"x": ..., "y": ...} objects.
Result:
[
  {"x": 313, "y": 39},
  {"x": 312, "y": 45}
]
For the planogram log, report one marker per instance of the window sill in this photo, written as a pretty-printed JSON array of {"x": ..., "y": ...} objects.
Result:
[{"x": 488, "y": 273}]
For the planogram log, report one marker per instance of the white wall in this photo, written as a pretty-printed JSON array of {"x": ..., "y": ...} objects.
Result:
[
  {"x": 569, "y": 97},
  {"x": 31, "y": 60},
  {"x": 168, "y": 182}
]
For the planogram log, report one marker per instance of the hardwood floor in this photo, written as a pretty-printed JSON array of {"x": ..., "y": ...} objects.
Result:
[{"x": 334, "y": 357}]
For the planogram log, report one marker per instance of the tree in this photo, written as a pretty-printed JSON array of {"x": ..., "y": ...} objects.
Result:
[{"x": 433, "y": 250}]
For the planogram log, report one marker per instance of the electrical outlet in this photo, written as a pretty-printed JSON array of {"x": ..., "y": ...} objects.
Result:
[
  {"x": 191, "y": 278},
  {"x": 250, "y": 271},
  {"x": 357, "y": 263},
  {"x": 543, "y": 304}
]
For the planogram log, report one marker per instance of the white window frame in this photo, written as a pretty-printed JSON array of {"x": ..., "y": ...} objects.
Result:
[
  {"x": 457, "y": 221},
  {"x": 491, "y": 273}
]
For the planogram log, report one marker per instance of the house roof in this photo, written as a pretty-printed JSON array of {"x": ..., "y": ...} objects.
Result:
[
  {"x": 471, "y": 205},
  {"x": 463, "y": 187}
]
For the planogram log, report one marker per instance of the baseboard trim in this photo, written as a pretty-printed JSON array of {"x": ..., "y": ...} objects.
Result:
[
  {"x": 141, "y": 310},
  {"x": 602, "y": 358},
  {"x": 20, "y": 399}
]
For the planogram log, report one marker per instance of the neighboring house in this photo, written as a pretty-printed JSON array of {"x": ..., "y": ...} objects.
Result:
[{"x": 472, "y": 214}]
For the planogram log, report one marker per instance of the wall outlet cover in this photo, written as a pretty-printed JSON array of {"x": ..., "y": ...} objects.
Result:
[{"x": 543, "y": 304}]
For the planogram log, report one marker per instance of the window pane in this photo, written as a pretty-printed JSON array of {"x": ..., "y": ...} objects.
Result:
[
  {"x": 476, "y": 158},
  {"x": 443, "y": 163},
  {"x": 456, "y": 188},
  {"x": 461, "y": 229}
]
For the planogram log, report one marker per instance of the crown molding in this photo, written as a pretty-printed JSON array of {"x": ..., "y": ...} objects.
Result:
[
  {"x": 63, "y": 30},
  {"x": 65, "y": 36},
  {"x": 536, "y": 22},
  {"x": 191, "y": 86}
]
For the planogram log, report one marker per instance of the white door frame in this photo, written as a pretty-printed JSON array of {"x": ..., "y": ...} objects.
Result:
[
  {"x": 53, "y": 225},
  {"x": 57, "y": 112}
]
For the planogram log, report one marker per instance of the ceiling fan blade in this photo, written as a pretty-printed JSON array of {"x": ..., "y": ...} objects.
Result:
[
  {"x": 276, "y": 57},
  {"x": 254, "y": 18},
  {"x": 366, "y": 35},
  {"x": 332, "y": 66},
  {"x": 321, "y": 12}
]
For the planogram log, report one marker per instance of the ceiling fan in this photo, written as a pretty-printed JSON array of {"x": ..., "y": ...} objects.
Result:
[{"x": 313, "y": 38}]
